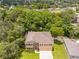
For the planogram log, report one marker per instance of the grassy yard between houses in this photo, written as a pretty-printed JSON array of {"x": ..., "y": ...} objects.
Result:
[
  {"x": 59, "y": 51},
  {"x": 29, "y": 55}
]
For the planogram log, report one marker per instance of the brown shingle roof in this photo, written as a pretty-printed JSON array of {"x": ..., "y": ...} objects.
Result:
[{"x": 39, "y": 37}]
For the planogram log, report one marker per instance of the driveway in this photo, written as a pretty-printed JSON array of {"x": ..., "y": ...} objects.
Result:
[{"x": 46, "y": 55}]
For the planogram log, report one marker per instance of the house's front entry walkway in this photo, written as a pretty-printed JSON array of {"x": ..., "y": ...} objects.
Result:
[{"x": 46, "y": 55}]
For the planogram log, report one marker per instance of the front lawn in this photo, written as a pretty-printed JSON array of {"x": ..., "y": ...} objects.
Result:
[
  {"x": 29, "y": 55},
  {"x": 59, "y": 51}
]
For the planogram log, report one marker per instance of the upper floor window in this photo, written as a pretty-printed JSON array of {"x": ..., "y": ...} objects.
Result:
[{"x": 28, "y": 44}]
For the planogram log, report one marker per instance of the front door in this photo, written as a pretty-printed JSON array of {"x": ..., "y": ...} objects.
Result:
[{"x": 36, "y": 46}]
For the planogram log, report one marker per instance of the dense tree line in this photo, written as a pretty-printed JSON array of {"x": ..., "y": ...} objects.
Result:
[
  {"x": 16, "y": 22},
  {"x": 42, "y": 3}
]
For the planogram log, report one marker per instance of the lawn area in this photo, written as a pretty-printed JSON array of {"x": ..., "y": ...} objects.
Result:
[
  {"x": 27, "y": 55},
  {"x": 59, "y": 51}
]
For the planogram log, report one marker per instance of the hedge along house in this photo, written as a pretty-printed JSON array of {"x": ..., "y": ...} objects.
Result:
[{"x": 39, "y": 41}]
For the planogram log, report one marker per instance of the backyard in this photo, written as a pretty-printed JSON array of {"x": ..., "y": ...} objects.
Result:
[{"x": 59, "y": 51}]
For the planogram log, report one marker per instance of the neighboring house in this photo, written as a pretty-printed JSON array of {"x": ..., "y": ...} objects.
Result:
[
  {"x": 39, "y": 41},
  {"x": 76, "y": 19},
  {"x": 72, "y": 48}
]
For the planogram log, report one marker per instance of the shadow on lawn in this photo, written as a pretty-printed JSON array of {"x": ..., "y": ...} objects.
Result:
[{"x": 58, "y": 42}]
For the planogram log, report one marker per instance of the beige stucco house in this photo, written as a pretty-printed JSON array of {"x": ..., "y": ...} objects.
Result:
[{"x": 40, "y": 41}]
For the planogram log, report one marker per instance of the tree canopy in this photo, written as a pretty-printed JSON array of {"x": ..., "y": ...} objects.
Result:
[{"x": 16, "y": 22}]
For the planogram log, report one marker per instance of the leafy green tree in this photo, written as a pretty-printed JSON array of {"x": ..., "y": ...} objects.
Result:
[
  {"x": 67, "y": 29},
  {"x": 16, "y": 32},
  {"x": 75, "y": 32},
  {"x": 10, "y": 51},
  {"x": 68, "y": 16},
  {"x": 57, "y": 31},
  {"x": 16, "y": 22},
  {"x": 58, "y": 21}
]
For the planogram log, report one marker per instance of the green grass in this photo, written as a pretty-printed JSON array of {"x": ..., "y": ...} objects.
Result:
[
  {"x": 59, "y": 51},
  {"x": 29, "y": 55}
]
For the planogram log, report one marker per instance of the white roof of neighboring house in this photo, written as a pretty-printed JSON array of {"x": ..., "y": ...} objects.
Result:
[
  {"x": 72, "y": 47},
  {"x": 77, "y": 14}
]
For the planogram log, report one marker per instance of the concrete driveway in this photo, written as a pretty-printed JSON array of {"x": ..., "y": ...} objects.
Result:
[{"x": 46, "y": 55}]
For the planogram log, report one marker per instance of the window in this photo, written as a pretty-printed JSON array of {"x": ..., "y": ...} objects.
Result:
[
  {"x": 45, "y": 44},
  {"x": 41, "y": 44}
]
